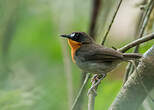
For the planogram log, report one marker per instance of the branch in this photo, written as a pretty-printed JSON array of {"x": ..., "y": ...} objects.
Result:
[
  {"x": 145, "y": 22},
  {"x": 91, "y": 100},
  {"x": 91, "y": 97},
  {"x": 106, "y": 34},
  {"x": 137, "y": 42},
  {"x": 92, "y": 91},
  {"x": 80, "y": 91},
  {"x": 133, "y": 94},
  {"x": 146, "y": 17}
]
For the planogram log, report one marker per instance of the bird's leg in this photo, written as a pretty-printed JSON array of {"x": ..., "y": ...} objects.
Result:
[
  {"x": 93, "y": 81},
  {"x": 96, "y": 80}
]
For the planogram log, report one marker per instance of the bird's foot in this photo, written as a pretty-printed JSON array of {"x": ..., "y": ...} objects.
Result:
[
  {"x": 96, "y": 80},
  {"x": 92, "y": 89}
]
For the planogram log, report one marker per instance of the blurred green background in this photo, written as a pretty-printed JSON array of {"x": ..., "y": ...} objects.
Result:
[{"x": 32, "y": 73}]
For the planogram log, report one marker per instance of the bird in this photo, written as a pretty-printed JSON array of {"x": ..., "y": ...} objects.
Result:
[{"x": 94, "y": 58}]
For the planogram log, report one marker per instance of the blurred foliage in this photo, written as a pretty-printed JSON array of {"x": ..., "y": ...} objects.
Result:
[{"x": 31, "y": 68}]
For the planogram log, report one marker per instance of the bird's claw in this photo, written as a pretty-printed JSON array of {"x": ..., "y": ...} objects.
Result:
[
  {"x": 92, "y": 89},
  {"x": 95, "y": 82},
  {"x": 94, "y": 78}
]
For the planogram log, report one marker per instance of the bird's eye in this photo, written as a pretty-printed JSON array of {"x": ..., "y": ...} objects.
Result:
[{"x": 75, "y": 36}]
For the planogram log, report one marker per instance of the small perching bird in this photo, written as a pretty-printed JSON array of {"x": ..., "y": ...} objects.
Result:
[{"x": 94, "y": 58}]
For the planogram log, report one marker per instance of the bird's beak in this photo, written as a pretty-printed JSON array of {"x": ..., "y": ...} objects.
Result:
[{"x": 66, "y": 36}]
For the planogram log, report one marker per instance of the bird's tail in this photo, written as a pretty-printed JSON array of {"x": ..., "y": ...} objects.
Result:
[{"x": 132, "y": 56}]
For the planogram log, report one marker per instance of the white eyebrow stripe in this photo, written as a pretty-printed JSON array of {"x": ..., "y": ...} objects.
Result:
[{"x": 72, "y": 35}]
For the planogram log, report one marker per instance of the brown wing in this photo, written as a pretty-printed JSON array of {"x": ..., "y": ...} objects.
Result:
[{"x": 98, "y": 53}]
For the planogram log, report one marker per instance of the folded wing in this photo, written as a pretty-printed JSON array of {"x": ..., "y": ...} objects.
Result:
[{"x": 98, "y": 53}]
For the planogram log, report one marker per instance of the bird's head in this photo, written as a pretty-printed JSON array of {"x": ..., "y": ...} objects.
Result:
[{"x": 78, "y": 37}]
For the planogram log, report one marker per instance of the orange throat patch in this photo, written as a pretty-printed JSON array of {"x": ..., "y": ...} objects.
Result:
[{"x": 74, "y": 46}]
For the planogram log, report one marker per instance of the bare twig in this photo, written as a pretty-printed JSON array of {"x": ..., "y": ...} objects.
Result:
[
  {"x": 91, "y": 100},
  {"x": 126, "y": 75},
  {"x": 80, "y": 100},
  {"x": 91, "y": 97},
  {"x": 81, "y": 90},
  {"x": 137, "y": 42},
  {"x": 144, "y": 24},
  {"x": 116, "y": 11}
]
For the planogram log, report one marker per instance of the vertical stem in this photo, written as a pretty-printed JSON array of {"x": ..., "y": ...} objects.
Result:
[
  {"x": 91, "y": 97},
  {"x": 145, "y": 22},
  {"x": 80, "y": 91},
  {"x": 91, "y": 101},
  {"x": 108, "y": 30}
]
